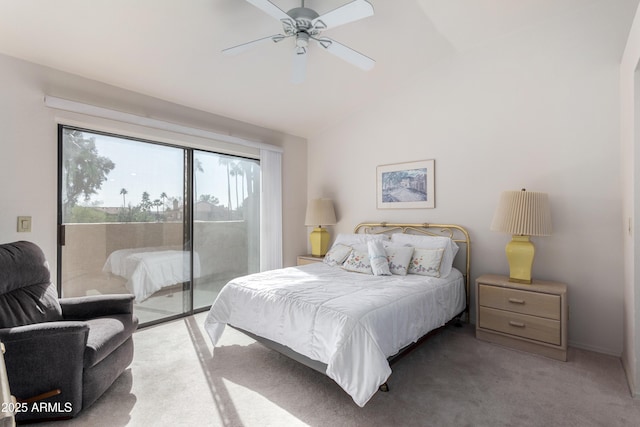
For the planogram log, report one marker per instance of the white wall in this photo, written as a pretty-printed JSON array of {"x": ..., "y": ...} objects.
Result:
[
  {"x": 28, "y": 148},
  {"x": 537, "y": 110},
  {"x": 630, "y": 162}
]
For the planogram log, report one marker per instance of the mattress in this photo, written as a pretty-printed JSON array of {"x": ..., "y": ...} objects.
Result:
[{"x": 352, "y": 322}]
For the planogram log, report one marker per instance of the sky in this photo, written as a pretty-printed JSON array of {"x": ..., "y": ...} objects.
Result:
[{"x": 154, "y": 168}]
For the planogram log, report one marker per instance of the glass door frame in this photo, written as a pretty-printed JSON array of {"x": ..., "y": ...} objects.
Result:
[{"x": 187, "y": 221}]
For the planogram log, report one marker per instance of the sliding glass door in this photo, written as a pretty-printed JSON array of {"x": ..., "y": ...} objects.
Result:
[
  {"x": 226, "y": 214},
  {"x": 168, "y": 224}
]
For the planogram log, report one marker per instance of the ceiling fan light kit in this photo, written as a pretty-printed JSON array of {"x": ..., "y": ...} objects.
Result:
[{"x": 306, "y": 24}]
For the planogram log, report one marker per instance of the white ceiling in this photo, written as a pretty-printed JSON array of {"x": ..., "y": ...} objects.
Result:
[{"x": 170, "y": 49}]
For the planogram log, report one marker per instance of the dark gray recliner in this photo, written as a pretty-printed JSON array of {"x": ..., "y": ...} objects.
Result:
[{"x": 77, "y": 346}]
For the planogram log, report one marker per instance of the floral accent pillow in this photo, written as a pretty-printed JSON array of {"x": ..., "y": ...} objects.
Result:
[
  {"x": 337, "y": 254},
  {"x": 359, "y": 262},
  {"x": 430, "y": 242},
  {"x": 378, "y": 258},
  {"x": 426, "y": 262},
  {"x": 399, "y": 258}
]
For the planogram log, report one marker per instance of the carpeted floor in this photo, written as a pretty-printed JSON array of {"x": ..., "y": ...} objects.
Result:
[{"x": 451, "y": 380}]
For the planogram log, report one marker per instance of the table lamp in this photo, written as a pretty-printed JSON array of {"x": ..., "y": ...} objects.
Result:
[
  {"x": 320, "y": 212},
  {"x": 522, "y": 214}
]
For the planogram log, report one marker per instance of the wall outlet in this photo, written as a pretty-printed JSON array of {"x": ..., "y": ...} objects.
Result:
[{"x": 24, "y": 224}]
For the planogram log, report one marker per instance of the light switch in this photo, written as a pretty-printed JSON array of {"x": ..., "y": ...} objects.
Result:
[{"x": 24, "y": 224}]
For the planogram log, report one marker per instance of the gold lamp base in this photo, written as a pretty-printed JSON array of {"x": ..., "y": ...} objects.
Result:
[
  {"x": 319, "y": 239},
  {"x": 520, "y": 253}
]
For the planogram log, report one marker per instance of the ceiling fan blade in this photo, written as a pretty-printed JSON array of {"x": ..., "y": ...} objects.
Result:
[
  {"x": 346, "y": 53},
  {"x": 357, "y": 9},
  {"x": 270, "y": 9},
  {"x": 249, "y": 45},
  {"x": 299, "y": 65}
]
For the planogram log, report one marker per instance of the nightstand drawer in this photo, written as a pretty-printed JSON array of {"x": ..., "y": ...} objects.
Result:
[
  {"x": 517, "y": 301},
  {"x": 522, "y": 325}
]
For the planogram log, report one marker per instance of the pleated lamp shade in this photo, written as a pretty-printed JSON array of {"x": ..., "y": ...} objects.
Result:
[
  {"x": 523, "y": 213},
  {"x": 320, "y": 212}
]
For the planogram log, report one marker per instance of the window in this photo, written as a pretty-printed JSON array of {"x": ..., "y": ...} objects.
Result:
[
  {"x": 169, "y": 224},
  {"x": 226, "y": 221}
]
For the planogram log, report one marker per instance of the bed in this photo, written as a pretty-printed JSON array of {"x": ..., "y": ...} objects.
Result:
[
  {"x": 347, "y": 324},
  {"x": 148, "y": 270}
]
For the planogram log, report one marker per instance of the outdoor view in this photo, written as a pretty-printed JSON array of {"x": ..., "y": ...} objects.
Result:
[{"x": 123, "y": 204}]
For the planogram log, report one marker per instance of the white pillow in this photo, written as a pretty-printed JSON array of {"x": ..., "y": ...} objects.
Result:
[
  {"x": 378, "y": 258},
  {"x": 426, "y": 262},
  {"x": 359, "y": 262},
  {"x": 337, "y": 254},
  {"x": 399, "y": 258},
  {"x": 362, "y": 247},
  {"x": 351, "y": 239},
  {"x": 431, "y": 242}
]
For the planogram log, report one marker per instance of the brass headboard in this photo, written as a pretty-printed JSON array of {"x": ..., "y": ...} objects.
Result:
[{"x": 455, "y": 232}]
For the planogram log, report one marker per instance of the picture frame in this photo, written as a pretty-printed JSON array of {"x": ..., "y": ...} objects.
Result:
[{"x": 409, "y": 185}]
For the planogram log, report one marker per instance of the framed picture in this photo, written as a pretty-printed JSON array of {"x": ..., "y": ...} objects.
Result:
[{"x": 406, "y": 185}]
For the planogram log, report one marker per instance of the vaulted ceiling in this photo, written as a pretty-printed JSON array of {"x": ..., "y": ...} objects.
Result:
[{"x": 171, "y": 49}]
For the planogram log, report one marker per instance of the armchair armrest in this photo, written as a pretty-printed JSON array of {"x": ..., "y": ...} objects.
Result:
[
  {"x": 82, "y": 308},
  {"x": 42, "y": 341},
  {"x": 44, "y": 357},
  {"x": 37, "y": 331}
]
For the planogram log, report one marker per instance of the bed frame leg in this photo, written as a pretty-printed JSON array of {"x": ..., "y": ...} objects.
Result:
[
  {"x": 457, "y": 321},
  {"x": 384, "y": 388}
]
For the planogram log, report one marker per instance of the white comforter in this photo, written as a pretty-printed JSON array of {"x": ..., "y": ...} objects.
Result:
[
  {"x": 350, "y": 321},
  {"x": 148, "y": 270}
]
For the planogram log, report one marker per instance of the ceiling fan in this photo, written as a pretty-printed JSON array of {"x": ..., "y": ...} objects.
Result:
[{"x": 306, "y": 24}]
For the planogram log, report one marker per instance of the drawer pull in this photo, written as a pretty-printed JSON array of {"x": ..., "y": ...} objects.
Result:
[
  {"x": 516, "y": 324},
  {"x": 516, "y": 301}
]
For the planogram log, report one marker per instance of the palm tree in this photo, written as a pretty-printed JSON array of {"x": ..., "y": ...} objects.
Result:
[
  {"x": 124, "y": 192},
  {"x": 246, "y": 173},
  {"x": 163, "y": 196},
  {"x": 145, "y": 204},
  {"x": 197, "y": 167},
  {"x": 157, "y": 203},
  {"x": 225, "y": 161},
  {"x": 235, "y": 172}
]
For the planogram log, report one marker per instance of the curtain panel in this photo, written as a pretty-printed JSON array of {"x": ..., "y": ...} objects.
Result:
[{"x": 271, "y": 210}]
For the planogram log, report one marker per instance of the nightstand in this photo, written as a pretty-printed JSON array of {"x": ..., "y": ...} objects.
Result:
[
  {"x": 309, "y": 259},
  {"x": 530, "y": 317}
]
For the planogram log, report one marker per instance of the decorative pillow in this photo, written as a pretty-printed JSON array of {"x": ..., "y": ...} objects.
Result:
[
  {"x": 358, "y": 262},
  {"x": 355, "y": 238},
  {"x": 337, "y": 254},
  {"x": 361, "y": 247},
  {"x": 426, "y": 262},
  {"x": 399, "y": 258},
  {"x": 431, "y": 242},
  {"x": 378, "y": 258}
]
